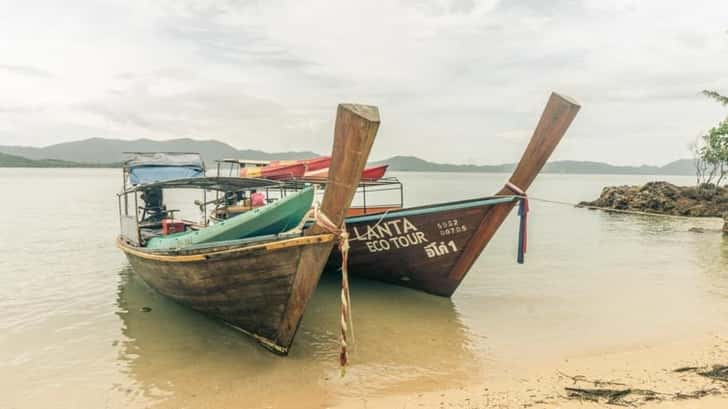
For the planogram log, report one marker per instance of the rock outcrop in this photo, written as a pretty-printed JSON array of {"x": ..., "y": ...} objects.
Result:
[{"x": 666, "y": 198}]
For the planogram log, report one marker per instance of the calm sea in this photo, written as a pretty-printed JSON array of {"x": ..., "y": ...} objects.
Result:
[{"x": 73, "y": 335}]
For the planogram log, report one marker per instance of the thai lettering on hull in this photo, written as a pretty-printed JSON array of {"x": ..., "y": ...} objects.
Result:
[
  {"x": 436, "y": 249},
  {"x": 389, "y": 235}
]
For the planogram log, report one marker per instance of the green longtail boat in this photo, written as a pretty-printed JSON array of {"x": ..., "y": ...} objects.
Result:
[{"x": 273, "y": 218}]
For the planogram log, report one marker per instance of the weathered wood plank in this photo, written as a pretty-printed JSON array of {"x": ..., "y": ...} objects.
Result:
[{"x": 354, "y": 133}]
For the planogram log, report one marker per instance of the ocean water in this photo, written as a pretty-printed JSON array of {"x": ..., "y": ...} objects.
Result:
[{"x": 73, "y": 333}]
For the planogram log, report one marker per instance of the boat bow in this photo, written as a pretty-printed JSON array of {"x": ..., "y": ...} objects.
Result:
[{"x": 556, "y": 118}]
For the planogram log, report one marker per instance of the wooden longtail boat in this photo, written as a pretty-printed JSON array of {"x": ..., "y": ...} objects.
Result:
[
  {"x": 431, "y": 248},
  {"x": 259, "y": 285}
]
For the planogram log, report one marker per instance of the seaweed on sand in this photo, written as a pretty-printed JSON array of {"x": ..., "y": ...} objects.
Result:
[
  {"x": 622, "y": 397},
  {"x": 718, "y": 373}
]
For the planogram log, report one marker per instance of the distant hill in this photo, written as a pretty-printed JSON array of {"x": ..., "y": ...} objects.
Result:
[
  {"x": 415, "y": 164},
  {"x": 100, "y": 150},
  {"x": 12, "y": 161},
  {"x": 678, "y": 167}
]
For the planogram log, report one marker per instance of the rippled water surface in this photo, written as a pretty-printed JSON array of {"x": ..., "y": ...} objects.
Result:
[{"x": 73, "y": 335}]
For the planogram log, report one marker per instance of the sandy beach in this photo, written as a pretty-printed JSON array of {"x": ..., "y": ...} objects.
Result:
[{"x": 663, "y": 368}]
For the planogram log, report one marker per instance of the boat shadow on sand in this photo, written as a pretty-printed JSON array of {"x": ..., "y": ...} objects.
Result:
[{"x": 406, "y": 341}]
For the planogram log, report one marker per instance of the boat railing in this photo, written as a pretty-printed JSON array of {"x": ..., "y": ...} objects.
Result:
[
  {"x": 129, "y": 221},
  {"x": 365, "y": 191},
  {"x": 136, "y": 221}
]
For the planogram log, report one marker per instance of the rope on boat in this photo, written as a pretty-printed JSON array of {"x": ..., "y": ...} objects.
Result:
[
  {"x": 523, "y": 209},
  {"x": 608, "y": 209},
  {"x": 347, "y": 325},
  {"x": 384, "y": 214}
]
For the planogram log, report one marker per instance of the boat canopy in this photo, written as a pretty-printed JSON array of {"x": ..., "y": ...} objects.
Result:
[
  {"x": 151, "y": 167},
  {"x": 221, "y": 184}
]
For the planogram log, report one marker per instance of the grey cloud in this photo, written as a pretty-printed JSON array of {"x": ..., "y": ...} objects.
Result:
[
  {"x": 125, "y": 76},
  {"x": 462, "y": 6},
  {"x": 232, "y": 44},
  {"x": 26, "y": 70},
  {"x": 543, "y": 8},
  {"x": 20, "y": 109},
  {"x": 222, "y": 111}
]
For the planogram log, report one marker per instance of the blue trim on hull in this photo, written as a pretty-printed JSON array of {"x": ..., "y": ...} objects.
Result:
[{"x": 440, "y": 207}]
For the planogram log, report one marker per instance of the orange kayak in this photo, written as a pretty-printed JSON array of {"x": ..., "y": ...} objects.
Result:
[
  {"x": 275, "y": 172},
  {"x": 312, "y": 165},
  {"x": 370, "y": 174}
]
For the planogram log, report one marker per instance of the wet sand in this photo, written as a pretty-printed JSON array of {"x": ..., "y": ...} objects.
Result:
[{"x": 542, "y": 384}]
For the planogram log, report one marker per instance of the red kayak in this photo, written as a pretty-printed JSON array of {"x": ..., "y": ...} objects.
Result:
[
  {"x": 369, "y": 174},
  {"x": 312, "y": 165},
  {"x": 375, "y": 173},
  {"x": 275, "y": 172}
]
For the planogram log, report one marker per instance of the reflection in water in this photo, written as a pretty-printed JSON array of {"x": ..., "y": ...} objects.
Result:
[
  {"x": 404, "y": 341},
  {"x": 712, "y": 254}
]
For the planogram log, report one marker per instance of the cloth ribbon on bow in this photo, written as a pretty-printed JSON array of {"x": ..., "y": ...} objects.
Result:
[{"x": 523, "y": 225}]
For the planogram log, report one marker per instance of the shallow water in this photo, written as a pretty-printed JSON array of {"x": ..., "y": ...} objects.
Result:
[{"x": 72, "y": 333}]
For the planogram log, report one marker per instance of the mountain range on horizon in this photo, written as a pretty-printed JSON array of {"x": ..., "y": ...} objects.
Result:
[
  {"x": 105, "y": 151},
  {"x": 97, "y": 152}
]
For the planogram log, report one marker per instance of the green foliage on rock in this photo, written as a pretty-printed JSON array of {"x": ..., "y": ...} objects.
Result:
[{"x": 711, "y": 150}]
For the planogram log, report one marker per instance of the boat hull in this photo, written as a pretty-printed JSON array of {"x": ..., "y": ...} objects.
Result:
[
  {"x": 416, "y": 247},
  {"x": 248, "y": 286}
]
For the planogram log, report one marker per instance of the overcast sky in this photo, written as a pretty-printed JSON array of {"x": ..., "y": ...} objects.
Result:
[{"x": 455, "y": 80}]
